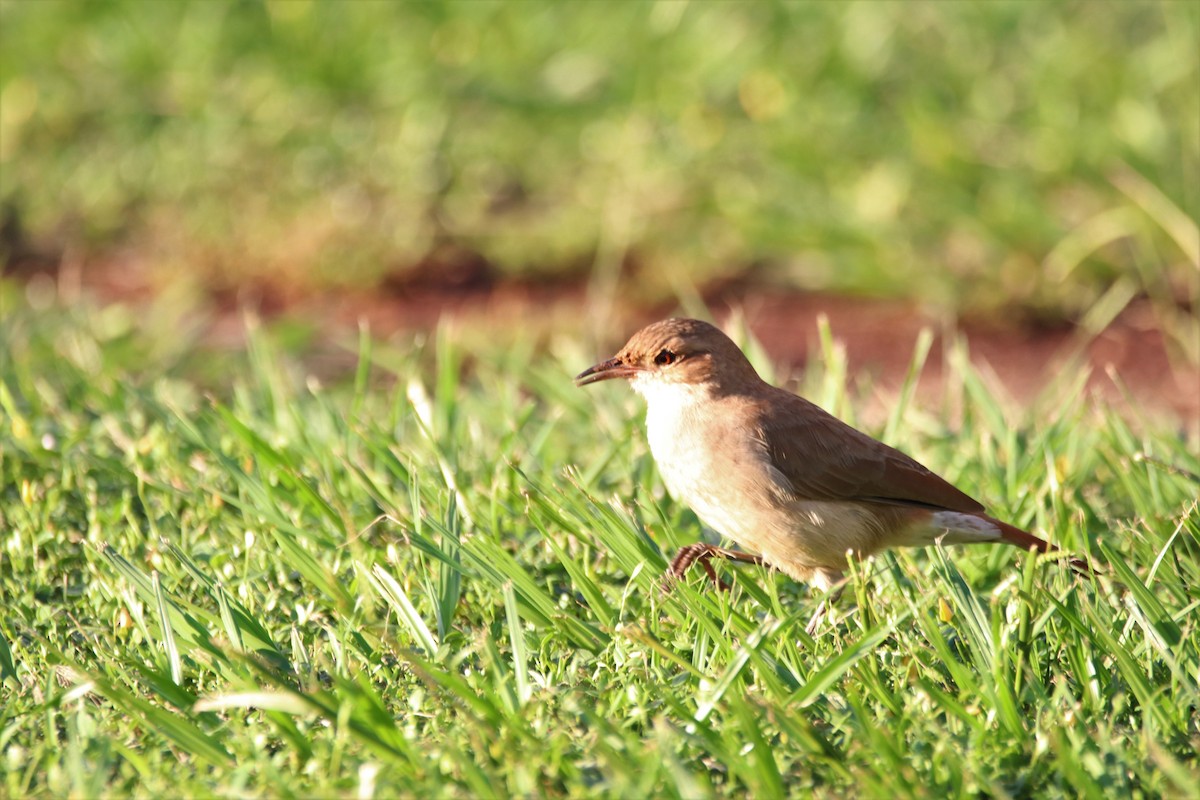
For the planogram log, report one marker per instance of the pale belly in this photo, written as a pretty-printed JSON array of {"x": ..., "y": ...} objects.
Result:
[
  {"x": 736, "y": 491},
  {"x": 797, "y": 536}
]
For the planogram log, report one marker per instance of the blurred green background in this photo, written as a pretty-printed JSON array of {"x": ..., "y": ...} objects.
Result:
[{"x": 989, "y": 157}]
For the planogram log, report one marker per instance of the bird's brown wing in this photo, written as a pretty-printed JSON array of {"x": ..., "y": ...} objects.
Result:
[{"x": 823, "y": 458}]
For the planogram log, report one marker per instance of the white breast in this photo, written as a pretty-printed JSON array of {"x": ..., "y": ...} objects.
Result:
[
  {"x": 728, "y": 483},
  {"x": 674, "y": 428}
]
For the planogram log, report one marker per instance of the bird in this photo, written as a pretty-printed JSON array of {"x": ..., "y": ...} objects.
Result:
[{"x": 794, "y": 486}]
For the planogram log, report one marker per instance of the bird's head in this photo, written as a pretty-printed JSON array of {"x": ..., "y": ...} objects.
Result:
[{"x": 676, "y": 352}]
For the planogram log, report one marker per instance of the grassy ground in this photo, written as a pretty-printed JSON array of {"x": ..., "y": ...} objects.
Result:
[
  {"x": 404, "y": 585},
  {"x": 991, "y": 156}
]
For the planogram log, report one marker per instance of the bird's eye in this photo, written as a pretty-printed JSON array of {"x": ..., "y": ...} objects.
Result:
[{"x": 665, "y": 357}]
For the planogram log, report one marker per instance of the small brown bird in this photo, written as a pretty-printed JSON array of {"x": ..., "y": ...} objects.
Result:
[{"x": 777, "y": 474}]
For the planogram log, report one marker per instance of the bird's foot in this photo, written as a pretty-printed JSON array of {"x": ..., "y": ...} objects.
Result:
[
  {"x": 686, "y": 557},
  {"x": 704, "y": 553}
]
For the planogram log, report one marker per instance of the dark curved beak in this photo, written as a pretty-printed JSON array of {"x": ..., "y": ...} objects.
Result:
[{"x": 605, "y": 370}]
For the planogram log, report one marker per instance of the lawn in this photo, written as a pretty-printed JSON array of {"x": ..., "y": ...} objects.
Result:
[
  {"x": 439, "y": 577},
  {"x": 238, "y": 572}
]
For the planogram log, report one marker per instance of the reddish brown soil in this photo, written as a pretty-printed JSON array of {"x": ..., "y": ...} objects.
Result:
[
  {"x": 1130, "y": 360},
  {"x": 878, "y": 335}
]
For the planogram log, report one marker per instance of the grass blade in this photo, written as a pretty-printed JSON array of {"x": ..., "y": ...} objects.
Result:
[
  {"x": 164, "y": 621},
  {"x": 517, "y": 639},
  {"x": 392, "y": 593}
]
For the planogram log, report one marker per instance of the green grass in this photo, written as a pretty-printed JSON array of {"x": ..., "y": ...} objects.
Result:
[
  {"x": 979, "y": 156},
  {"x": 440, "y": 578}
]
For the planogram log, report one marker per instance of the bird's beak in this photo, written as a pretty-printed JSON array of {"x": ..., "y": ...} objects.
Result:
[{"x": 605, "y": 370}]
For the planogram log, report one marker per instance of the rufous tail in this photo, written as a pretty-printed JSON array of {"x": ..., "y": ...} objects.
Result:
[{"x": 1011, "y": 534}]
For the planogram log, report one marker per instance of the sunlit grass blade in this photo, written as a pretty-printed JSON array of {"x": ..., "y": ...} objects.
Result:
[
  {"x": 911, "y": 378},
  {"x": 392, "y": 593},
  {"x": 1150, "y": 198},
  {"x": 168, "y": 634},
  {"x": 833, "y": 360},
  {"x": 516, "y": 637},
  {"x": 267, "y": 701},
  {"x": 447, "y": 587},
  {"x": 300, "y": 659},
  {"x": 232, "y": 630}
]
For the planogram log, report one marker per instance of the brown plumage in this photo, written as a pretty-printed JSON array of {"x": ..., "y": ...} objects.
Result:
[{"x": 777, "y": 474}]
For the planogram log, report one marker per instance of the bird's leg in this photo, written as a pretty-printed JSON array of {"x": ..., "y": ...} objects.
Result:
[{"x": 704, "y": 553}]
